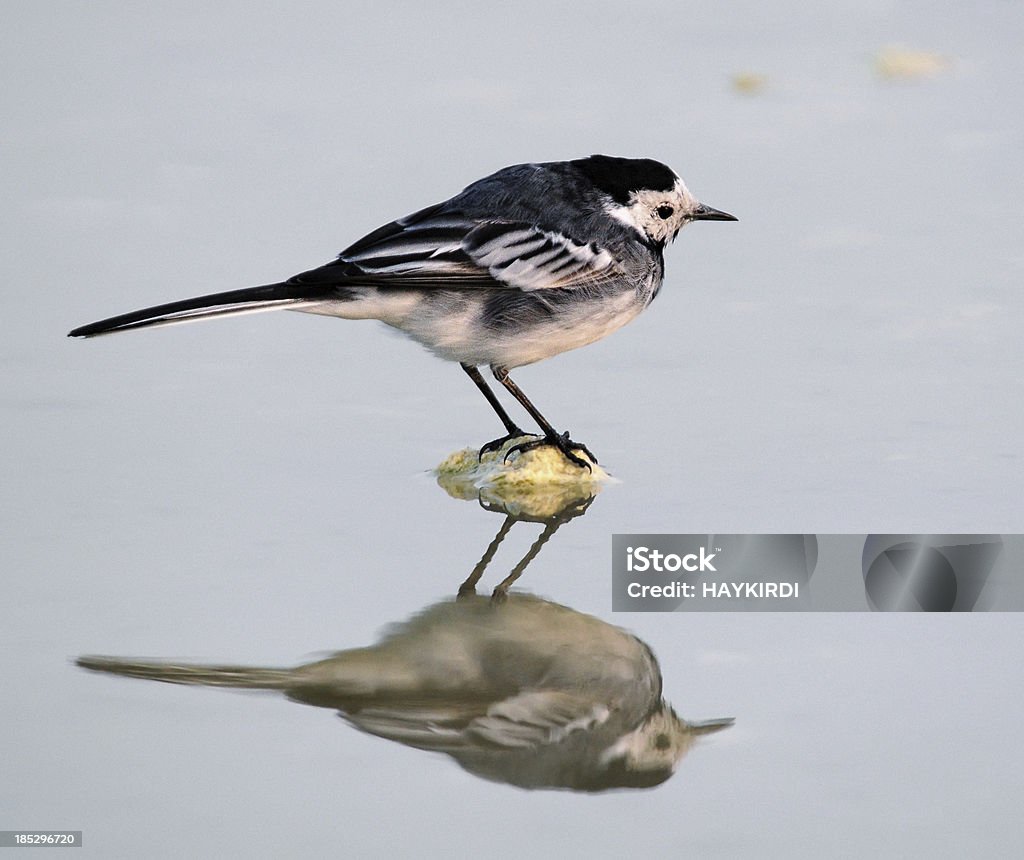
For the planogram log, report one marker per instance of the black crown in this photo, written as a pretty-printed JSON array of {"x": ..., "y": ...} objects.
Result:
[{"x": 620, "y": 177}]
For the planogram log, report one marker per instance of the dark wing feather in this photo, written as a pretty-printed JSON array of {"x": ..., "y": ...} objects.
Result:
[{"x": 439, "y": 248}]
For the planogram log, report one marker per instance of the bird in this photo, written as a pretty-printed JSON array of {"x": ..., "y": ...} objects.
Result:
[
  {"x": 529, "y": 693},
  {"x": 521, "y": 265}
]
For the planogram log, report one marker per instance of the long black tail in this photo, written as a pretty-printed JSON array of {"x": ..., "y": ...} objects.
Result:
[{"x": 248, "y": 300}]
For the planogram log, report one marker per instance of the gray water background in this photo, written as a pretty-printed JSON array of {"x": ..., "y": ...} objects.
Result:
[{"x": 846, "y": 358}]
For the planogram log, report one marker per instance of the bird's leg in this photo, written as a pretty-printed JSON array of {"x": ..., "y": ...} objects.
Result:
[
  {"x": 561, "y": 441},
  {"x": 513, "y": 431}
]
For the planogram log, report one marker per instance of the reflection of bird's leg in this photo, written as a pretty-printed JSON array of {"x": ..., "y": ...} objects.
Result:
[
  {"x": 510, "y": 425},
  {"x": 552, "y": 523},
  {"x": 469, "y": 586},
  {"x": 500, "y": 593},
  {"x": 561, "y": 441}
]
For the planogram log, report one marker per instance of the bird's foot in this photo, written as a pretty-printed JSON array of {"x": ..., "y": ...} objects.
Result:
[
  {"x": 495, "y": 444},
  {"x": 563, "y": 443}
]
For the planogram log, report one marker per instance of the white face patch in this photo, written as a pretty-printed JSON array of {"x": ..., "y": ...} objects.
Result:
[{"x": 656, "y": 215}]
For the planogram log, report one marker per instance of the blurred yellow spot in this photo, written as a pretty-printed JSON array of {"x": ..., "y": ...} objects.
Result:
[
  {"x": 749, "y": 82},
  {"x": 896, "y": 62}
]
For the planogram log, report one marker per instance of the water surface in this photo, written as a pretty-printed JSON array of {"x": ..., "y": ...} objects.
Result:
[{"x": 844, "y": 359}]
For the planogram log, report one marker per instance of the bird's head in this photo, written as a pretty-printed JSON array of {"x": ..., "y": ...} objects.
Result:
[
  {"x": 646, "y": 196},
  {"x": 649, "y": 754}
]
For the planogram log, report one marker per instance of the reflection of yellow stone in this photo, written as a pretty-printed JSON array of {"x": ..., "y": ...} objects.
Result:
[
  {"x": 895, "y": 61},
  {"x": 749, "y": 82},
  {"x": 536, "y": 483}
]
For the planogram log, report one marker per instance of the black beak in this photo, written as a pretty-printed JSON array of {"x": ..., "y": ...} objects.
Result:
[{"x": 706, "y": 213}]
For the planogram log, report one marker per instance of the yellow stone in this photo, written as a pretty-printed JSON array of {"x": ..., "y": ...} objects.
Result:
[{"x": 536, "y": 483}]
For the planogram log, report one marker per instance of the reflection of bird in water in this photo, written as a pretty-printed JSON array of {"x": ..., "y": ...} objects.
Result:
[{"x": 527, "y": 692}]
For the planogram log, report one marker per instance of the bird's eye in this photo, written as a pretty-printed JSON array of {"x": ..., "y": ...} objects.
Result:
[
  {"x": 662, "y": 742},
  {"x": 665, "y": 212}
]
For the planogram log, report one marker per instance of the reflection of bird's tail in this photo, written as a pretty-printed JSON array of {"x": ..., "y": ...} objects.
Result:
[
  {"x": 706, "y": 727},
  {"x": 243, "y": 677}
]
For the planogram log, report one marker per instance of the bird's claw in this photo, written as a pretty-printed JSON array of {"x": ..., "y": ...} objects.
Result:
[
  {"x": 563, "y": 443},
  {"x": 495, "y": 444}
]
